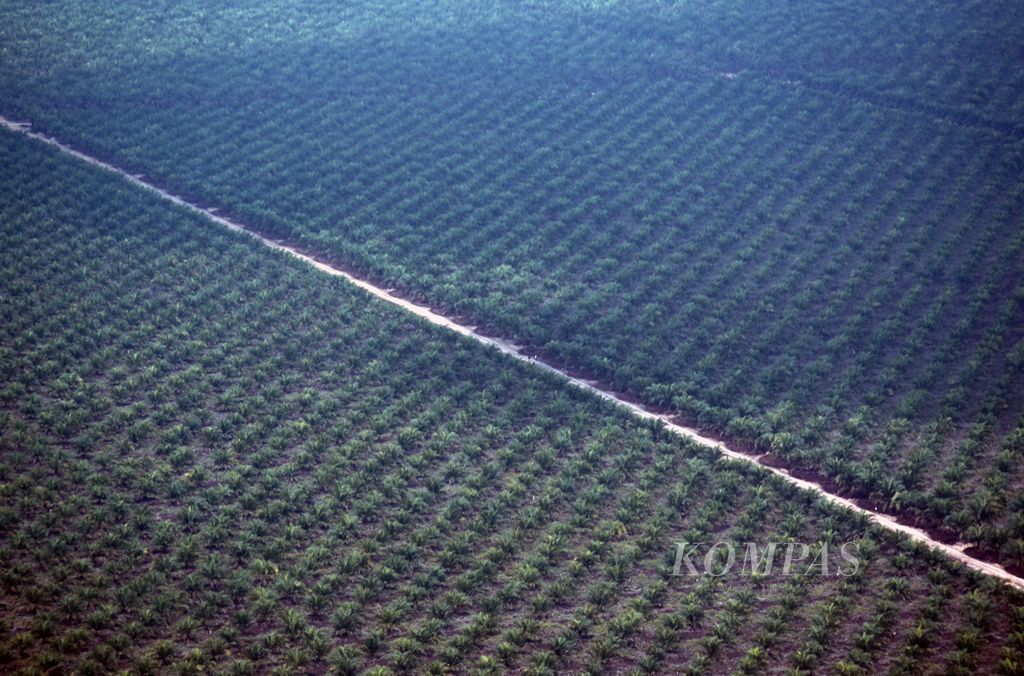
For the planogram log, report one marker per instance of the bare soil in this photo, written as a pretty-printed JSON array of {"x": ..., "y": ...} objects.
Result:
[{"x": 804, "y": 479}]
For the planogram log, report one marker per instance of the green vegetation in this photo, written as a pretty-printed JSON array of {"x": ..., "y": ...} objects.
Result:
[
  {"x": 796, "y": 224},
  {"x": 213, "y": 458}
]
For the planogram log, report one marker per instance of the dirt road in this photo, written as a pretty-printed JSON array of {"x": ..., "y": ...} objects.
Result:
[{"x": 883, "y": 520}]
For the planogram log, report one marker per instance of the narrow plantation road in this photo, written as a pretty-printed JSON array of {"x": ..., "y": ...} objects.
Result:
[{"x": 886, "y": 521}]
